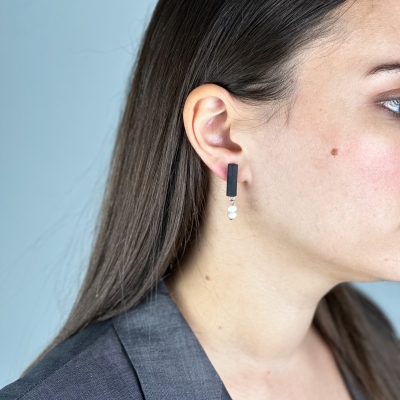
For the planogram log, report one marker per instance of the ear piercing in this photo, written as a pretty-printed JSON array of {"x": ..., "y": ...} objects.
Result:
[{"x": 231, "y": 186}]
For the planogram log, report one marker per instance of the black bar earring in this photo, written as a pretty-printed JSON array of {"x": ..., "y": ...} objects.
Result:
[{"x": 231, "y": 187}]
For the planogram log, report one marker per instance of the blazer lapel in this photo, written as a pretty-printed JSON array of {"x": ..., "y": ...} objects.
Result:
[{"x": 168, "y": 358}]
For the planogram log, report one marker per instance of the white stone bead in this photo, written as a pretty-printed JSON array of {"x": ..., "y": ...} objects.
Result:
[
  {"x": 232, "y": 209},
  {"x": 232, "y": 215}
]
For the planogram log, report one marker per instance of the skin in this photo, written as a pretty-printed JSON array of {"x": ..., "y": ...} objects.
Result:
[{"x": 318, "y": 202}]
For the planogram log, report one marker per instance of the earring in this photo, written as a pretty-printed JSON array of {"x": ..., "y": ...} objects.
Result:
[{"x": 231, "y": 186}]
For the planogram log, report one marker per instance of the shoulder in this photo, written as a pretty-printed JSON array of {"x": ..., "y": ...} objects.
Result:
[{"x": 92, "y": 364}]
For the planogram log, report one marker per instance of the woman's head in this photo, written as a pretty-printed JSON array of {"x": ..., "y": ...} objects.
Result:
[
  {"x": 318, "y": 169},
  {"x": 275, "y": 86}
]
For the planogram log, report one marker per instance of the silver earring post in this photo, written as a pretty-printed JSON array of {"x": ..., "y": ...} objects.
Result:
[{"x": 232, "y": 208}]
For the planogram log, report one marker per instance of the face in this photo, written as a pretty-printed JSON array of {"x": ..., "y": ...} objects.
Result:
[{"x": 327, "y": 176}]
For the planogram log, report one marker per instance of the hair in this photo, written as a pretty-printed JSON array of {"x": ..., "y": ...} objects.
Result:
[{"x": 156, "y": 190}]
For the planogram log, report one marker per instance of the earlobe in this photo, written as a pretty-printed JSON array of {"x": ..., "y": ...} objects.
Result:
[{"x": 208, "y": 120}]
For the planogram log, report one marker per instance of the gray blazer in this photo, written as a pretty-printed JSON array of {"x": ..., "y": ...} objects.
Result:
[{"x": 148, "y": 352}]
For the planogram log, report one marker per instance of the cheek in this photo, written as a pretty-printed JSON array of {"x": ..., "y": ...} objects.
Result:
[
  {"x": 366, "y": 207},
  {"x": 370, "y": 175},
  {"x": 375, "y": 163}
]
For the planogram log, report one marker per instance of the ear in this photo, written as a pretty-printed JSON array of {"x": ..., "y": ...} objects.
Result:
[{"x": 211, "y": 120}]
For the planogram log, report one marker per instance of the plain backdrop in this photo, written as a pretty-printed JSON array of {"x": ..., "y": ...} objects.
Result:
[{"x": 63, "y": 76}]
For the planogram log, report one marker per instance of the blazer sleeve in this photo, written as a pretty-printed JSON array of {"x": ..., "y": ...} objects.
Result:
[{"x": 90, "y": 365}]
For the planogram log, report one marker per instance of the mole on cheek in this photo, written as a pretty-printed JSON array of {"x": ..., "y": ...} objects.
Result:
[{"x": 334, "y": 152}]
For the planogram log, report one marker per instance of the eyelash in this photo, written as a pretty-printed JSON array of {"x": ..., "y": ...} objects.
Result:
[{"x": 396, "y": 102}]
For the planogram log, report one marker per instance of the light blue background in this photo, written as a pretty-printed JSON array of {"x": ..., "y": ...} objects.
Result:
[{"x": 63, "y": 75}]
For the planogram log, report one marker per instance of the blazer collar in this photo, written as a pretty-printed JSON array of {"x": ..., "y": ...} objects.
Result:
[{"x": 167, "y": 356}]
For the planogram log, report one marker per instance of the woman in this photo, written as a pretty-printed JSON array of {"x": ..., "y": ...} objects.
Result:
[{"x": 181, "y": 300}]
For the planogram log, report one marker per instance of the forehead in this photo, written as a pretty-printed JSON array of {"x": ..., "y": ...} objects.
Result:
[
  {"x": 372, "y": 21},
  {"x": 368, "y": 34}
]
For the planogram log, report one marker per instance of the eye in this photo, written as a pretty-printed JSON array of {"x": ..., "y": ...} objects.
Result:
[{"x": 393, "y": 106}]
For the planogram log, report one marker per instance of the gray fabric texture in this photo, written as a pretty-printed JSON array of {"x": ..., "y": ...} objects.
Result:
[{"x": 146, "y": 353}]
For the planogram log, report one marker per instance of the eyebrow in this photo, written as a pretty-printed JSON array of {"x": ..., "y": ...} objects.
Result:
[{"x": 394, "y": 67}]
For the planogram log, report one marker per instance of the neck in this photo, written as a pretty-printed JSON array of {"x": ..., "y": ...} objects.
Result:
[{"x": 249, "y": 297}]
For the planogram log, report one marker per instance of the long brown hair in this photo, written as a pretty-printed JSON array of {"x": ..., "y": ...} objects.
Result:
[{"x": 156, "y": 191}]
